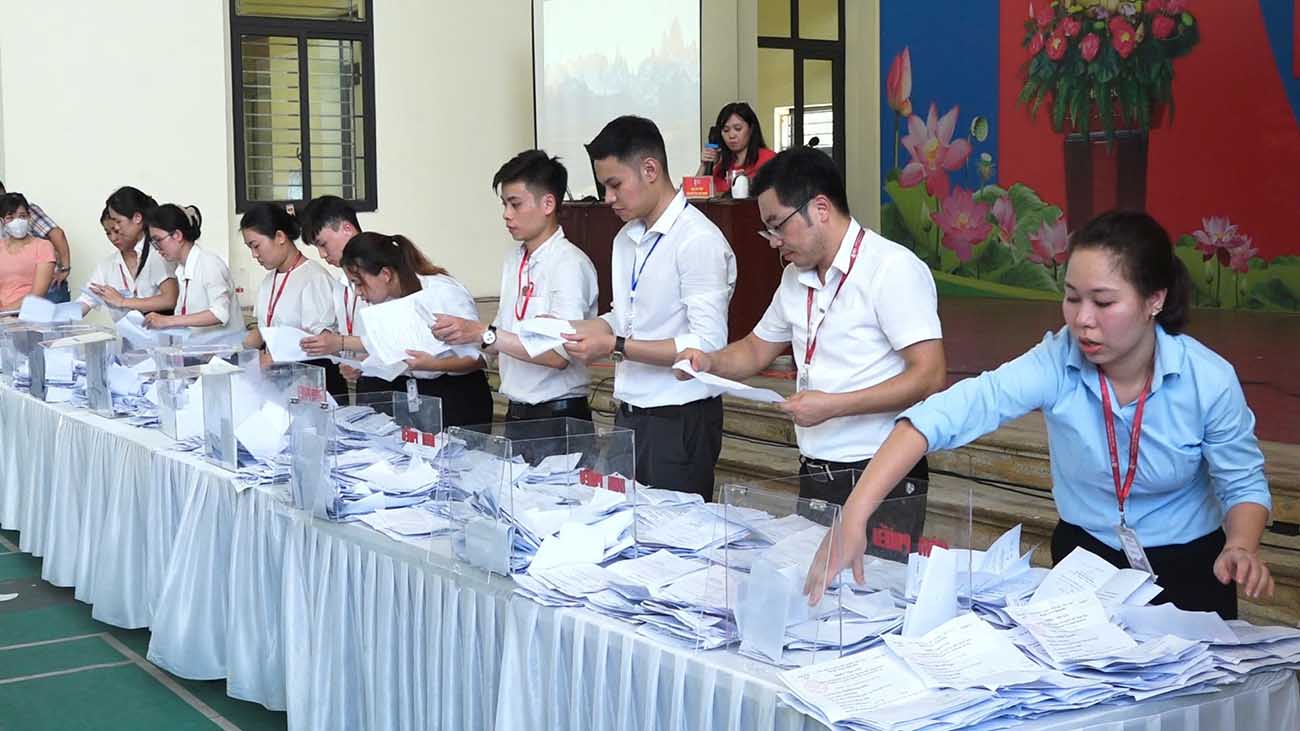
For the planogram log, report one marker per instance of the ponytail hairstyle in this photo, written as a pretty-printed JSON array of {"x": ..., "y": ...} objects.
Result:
[
  {"x": 268, "y": 218},
  {"x": 370, "y": 253},
  {"x": 128, "y": 201},
  {"x": 1146, "y": 257},
  {"x": 171, "y": 217}
]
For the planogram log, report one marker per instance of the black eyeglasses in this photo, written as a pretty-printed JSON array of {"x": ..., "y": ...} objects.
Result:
[
  {"x": 773, "y": 233},
  {"x": 156, "y": 243}
]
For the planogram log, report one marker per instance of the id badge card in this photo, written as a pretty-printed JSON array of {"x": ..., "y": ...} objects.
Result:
[
  {"x": 1133, "y": 551},
  {"x": 802, "y": 383},
  {"x": 631, "y": 314},
  {"x": 412, "y": 395}
]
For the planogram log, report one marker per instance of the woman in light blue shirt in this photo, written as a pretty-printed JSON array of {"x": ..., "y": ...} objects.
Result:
[{"x": 1198, "y": 501}]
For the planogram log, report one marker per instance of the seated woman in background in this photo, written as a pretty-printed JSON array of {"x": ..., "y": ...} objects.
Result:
[
  {"x": 383, "y": 268},
  {"x": 26, "y": 261},
  {"x": 1118, "y": 385},
  {"x": 131, "y": 278},
  {"x": 296, "y": 292},
  {"x": 742, "y": 148},
  {"x": 207, "y": 302}
]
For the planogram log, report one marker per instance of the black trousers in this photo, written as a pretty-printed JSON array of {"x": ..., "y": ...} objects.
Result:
[
  {"x": 896, "y": 527},
  {"x": 1185, "y": 570},
  {"x": 466, "y": 400},
  {"x": 677, "y": 447},
  {"x": 534, "y": 430}
]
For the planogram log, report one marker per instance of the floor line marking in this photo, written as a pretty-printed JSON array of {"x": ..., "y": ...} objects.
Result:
[
  {"x": 68, "y": 671},
  {"x": 48, "y": 642},
  {"x": 168, "y": 682}
]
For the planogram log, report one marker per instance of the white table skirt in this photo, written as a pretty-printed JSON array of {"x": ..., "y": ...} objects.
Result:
[{"x": 347, "y": 629}]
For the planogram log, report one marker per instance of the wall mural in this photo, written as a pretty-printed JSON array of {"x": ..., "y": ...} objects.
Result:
[{"x": 1005, "y": 123}]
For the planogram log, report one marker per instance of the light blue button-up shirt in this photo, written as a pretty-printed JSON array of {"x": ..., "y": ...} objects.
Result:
[{"x": 1198, "y": 455}]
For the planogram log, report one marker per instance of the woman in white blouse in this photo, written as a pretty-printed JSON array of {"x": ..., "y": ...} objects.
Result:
[
  {"x": 131, "y": 278},
  {"x": 207, "y": 302},
  {"x": 383, "y": 268},
  {"x": 296, "y": 292}
]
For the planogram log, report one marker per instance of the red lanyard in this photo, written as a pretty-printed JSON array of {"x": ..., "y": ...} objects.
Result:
[
  {"x": 349, "y": 315},
  {"x": 275, "y": 296},
  {"x": 811, "y": 346},
  {"x": 135, "y": 291},
  {"x": 526, "y": 292},
  {"x": 1122, "y": 489},
  {"x": 186, "y": 298}
]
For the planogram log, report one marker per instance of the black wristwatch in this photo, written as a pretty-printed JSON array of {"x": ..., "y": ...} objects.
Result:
[{"x": 620, "y": 349}]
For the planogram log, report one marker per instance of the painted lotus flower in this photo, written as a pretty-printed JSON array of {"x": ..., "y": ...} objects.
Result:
[
  {"x": 898, "y": 85},
  {"x": 1048, "y": 246},
  {"x": 934, "y": 151},
  {"x": 1216, "y": 238},
  {"x": 1239, "y": 256},
  {"x": 1123, "y": 36},
  {"x": 1089, "y": 47},
  {"x": 963, "y": 221},
  {"x": 1005, "y": 214}
]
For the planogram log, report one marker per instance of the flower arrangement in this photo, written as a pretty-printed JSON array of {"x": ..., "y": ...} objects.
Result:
[{"x": 1108, "y": 58}]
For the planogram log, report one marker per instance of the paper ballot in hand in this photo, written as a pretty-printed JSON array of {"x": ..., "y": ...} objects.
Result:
[
  {"x": 541, "y": 334},
  {"x": 284, "y": 344},
  {"x": 39, "y": 309},
  {"x": 723, "y": 386}
]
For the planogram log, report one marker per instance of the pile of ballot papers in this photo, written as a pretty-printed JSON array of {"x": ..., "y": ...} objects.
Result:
[{"x": 1083, "y": 636}]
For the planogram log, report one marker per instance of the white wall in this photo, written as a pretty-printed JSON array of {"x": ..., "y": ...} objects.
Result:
[{"x": 138, "y": 92}]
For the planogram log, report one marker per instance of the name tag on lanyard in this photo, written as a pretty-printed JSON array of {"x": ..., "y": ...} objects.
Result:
[{"x": 1128, "y": 538}]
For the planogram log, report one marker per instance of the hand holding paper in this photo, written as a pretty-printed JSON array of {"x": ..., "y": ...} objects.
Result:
[
  {"x": 285, "y": 344},
  {"x": 720, "y": 385},
  {"x": 541, "y": 334}
]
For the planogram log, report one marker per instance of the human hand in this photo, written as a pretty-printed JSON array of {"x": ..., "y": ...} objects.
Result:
[
  {"x": 1239, "y": 564},
  {"x": 324, "y": 343},
  {"x": 701, "y": 361},
  {"x": 809, "y": 408},
  {"x": 457, "y": 330},
  {"x": 158, "y": 321}
]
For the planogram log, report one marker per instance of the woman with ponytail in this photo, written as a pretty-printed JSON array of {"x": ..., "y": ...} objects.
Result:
[
  {"x": 1155, "y": 464},
  {"x": 383, "y": 268},
  {"x": 296, "y": 292},
  {"x": 206, "y": 303},
  {"x": 133, "y": 277}
]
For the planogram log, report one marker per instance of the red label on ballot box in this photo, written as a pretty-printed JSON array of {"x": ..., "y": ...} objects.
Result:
[
  {"x": 410, "y": 436},
  {"x": 697, "y": 186}
]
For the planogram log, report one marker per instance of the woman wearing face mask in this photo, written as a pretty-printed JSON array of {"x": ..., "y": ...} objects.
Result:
[
  {"x": 26, "y": 261},
  {"x": 206, "y": 302},
  {"x": 133, "y": 277},
  {"x": 384, "y": 268},
  {"x": 1155, "y": 463},
  {"x": 296, "y": 292},
  {"x": 742, "y": 149}
]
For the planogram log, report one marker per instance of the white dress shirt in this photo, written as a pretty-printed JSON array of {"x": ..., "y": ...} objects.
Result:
[
  {"x": 444, "y": 294},
  {"x": 686, "y": 275},
  {"x": 205, "y": 284},
  {"x": 887, "y": 303},
  {"x": 347, "y": 307},
  {"x": 564, "y": 286},
  {"x": 112, "y": 271},
  {"x": 304, "y": 298}
]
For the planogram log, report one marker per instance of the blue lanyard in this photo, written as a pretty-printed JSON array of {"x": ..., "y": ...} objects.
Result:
[{"x": 636, "y": 272}]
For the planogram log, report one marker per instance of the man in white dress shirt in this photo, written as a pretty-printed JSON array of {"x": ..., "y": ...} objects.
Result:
[
  {"x": 673, "y": 274},
  {"x": 545, "y": 275},
  {"x": 861, "y": 314}
]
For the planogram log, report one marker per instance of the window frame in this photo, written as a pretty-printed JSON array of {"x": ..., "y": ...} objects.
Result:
[{"x": 304, "y": 30}]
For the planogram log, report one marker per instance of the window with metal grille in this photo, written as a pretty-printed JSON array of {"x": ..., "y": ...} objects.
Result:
[{"x": 304, "y": 100}]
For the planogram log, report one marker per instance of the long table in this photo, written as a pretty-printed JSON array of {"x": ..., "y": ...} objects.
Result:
[{"x": 347, "y": 629}]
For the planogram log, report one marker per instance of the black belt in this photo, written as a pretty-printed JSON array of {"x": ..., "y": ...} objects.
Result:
[
  {"x": 627, "y": 409},
  {"x": 563, "y": 404},
  {"x": 822, "y": 468}
]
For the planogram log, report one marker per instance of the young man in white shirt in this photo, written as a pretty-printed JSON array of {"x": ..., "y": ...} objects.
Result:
[
  {"x": 545, "y": 275},
  {"x": 861, "y": 314},
  {"x": 673, "y": 274}
]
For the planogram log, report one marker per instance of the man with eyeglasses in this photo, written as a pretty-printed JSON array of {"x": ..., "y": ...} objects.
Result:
[{"x": 861, "y": 314}]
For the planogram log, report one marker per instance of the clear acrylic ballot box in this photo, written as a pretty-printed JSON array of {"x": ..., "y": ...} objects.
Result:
[
  {"x": 354, "y": 454},
  {"x": 180, "y": 391},
  {"x": 248, "y": 408},
  {"x": 14, "y": 343},
  {"x": 95, "y": 348},
  {"x": 517, "y": 491},
  {"x": 915, "y": 553},
  {"x": 46, "y": 367}
]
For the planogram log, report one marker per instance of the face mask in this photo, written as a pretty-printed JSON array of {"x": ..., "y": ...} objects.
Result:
[{"x": 18, "y": 228}]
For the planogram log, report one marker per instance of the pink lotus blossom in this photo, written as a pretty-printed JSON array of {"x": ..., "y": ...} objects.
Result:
[
  {"x": 1089, "y": 47},
  {"x": 1056, "y": 45},
  {"x": 933, "y": 151},
  {"x": 1045, "y": 15},
  {"x": 964, "y": 222},
  {"x": 898, "y": 85},
  {"x": 1048, "y": 246},
  {"x": 1240, "y": 255},
  {"x": 1175, "y": 7},
  {"x": 1005, "y": 214},
  {"x": 1216, "y": 238},
  {"x": 1071, "y": 27}
]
